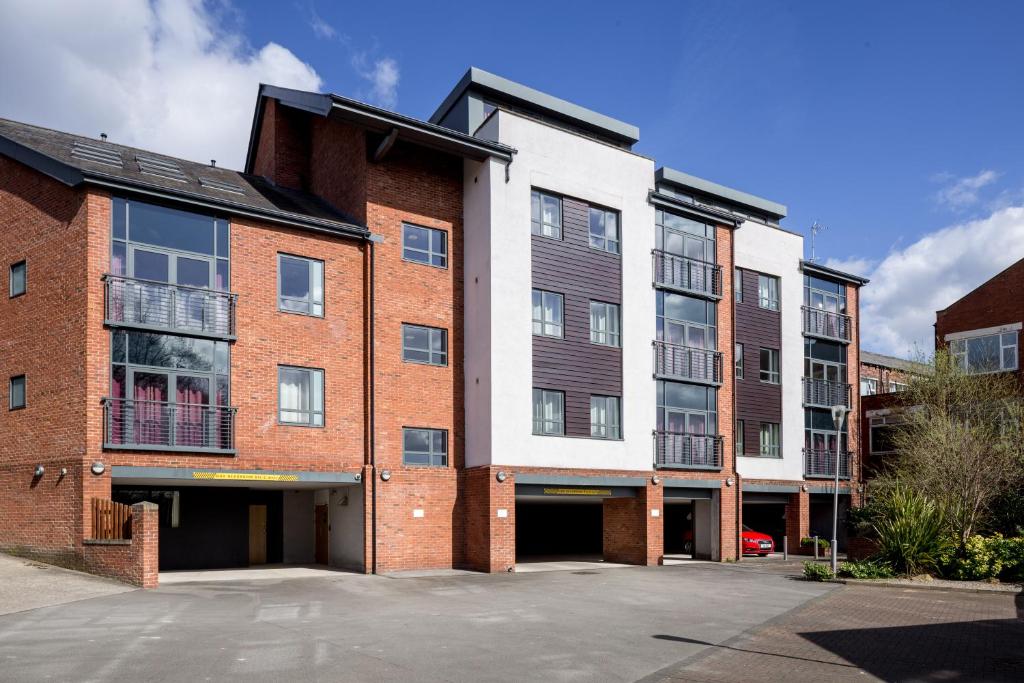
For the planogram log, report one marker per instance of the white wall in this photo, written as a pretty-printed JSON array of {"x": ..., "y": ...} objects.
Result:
[
  {"x": 345, "y": 545},
  {"x": 501, "y": 318},
  {"x": 299, "y": 529},
  {"x": 777, "y": 252}
]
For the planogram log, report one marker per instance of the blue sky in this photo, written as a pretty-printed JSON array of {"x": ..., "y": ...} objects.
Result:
[{"x": 895, "y": 124}]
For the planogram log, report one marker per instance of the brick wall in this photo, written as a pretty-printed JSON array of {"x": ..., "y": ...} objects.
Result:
[
  {"x": 853, "y": 426},
  {"x": 135, "y": 561}
]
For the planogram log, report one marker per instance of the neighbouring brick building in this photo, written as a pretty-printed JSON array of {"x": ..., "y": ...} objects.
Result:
[{"x": 356, "y": 353}]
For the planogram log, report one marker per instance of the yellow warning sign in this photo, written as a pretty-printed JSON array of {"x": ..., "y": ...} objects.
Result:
[
  {"x": 244, "y": 476},
  {"x": 577, "y": 492}
]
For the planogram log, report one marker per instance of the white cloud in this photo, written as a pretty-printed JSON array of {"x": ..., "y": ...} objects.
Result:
[
  {"x": 167, "y": 75},
  {"x": 382, "y": 76},
  {"x": 854, "y": 265},
  {"x": 320, "y": 27},
  {"x": 909, "y": 285},
  {"x": 962, "y": 193}
]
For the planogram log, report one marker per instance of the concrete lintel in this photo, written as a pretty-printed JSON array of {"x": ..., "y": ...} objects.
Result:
[{"x": 562, "y": 480}]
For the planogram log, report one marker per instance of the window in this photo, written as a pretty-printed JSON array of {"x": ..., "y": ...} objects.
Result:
[
  {"x": 740, "y": 438},
  {"x": 547, "y": 313},
  {"x": 425, "y": 245},
  {"x": 987, "y": 353},
  {"x": 300, "y": 285},
  {"x": 687, "y": 408},
  {"x": 685, "y": 320},
  {"x": 769, "y": 440},
  {"x": 770, "y": 366},
  {"x": 604, "y": 417},
  {"x": 425, "y": 447},
  {"x": 545, "y": 215},
  {"x": 883, "y": 433},
  {"x": 16, "y": 397},
  {"x": 681, "y": 236},
  {"x": 768, "y": 292},
  {"x": 739, "y": 361},
  {"x": 604, "y": 324},
  {"x": 868, "y": 386},
  {"x": 300, "y": 396},
  {"x": 737, "y": 283},
  {"x": 19, "y": 279},
  {"x": 548, "y": 412},
  {"x": 604, "y": 230},
  {"x": 898, "y": 386},
  {"x": 427, "y": 345},
  {"x": 824, "y": 295}
]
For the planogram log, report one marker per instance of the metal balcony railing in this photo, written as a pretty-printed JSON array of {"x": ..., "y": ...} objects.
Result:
[
  {"x": 674, "y": 361},
  {"x": 151, "y": 305},
  {"x": 687, "y": 274},
  {"x": 687, "y": 451},
  {"x": 825, "y": 324},
  {"x": 821, "y": 464},
  {"x": 821, "y": 393},
  {"x": 165, "y": 426}
]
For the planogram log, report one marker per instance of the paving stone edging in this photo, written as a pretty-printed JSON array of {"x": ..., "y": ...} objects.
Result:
[{"x": 938, "y": 584}]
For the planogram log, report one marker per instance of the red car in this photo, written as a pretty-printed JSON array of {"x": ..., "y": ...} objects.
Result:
[{"x": 756, "y": 543}]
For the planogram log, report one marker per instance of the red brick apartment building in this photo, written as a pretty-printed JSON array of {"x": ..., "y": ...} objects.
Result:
[{"x": 354, "y": 352}]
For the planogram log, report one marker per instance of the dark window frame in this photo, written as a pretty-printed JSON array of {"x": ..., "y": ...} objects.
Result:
[
  {"x": 23, "y": 264},
  {"x": 312, "y": 412},
  {"x": 310, "y": 297},
  {"x": 739, "y": 359},
  {"x": 537, "y": 226},
  {"x": 777, "y": 371},
  {"x": 543, "y": 431},
  {"x": 24, "y": 392},
  {"x": 545, "y": 323},
  {"x": 430, "y": 452},
  {"x": 429, "y": 350},
  {"x": 773, "y": 304},
  {"x": 612, "y": 429},
  {"x": 592, "y": 209},
  {"x": 429, "y": 251}
]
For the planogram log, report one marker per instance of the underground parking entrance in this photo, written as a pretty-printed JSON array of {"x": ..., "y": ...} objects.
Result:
[
  {"x": 765, "y": 513},
  {"x": 235, "y": 519},
  {"x": 690, "y": 531}
]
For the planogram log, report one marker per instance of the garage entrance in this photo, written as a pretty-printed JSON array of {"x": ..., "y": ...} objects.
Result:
[
  {"x": 690, "y": 530},
  {"x": 766, "y": 513},
  {"x": 821, "y": 517}
]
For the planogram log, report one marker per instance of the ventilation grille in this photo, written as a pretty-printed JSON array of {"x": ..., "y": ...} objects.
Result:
[
  {"x": 95, "y": 154},
  {"x": 221, "y": 185},
  {"x": 160, "y": 167}
]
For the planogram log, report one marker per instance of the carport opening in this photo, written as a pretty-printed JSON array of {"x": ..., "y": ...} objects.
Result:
[
  {"x": 768, "y": 518},
  {"x": 559, "y": 530},
  {"x": 678, "y": 530}
]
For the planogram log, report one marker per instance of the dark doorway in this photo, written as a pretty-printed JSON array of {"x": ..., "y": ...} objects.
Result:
[
  {"x": 768, "y": 518},
  {"x": 678, "y": 528},
  {"x": 559, "y": 529},
  {"x": 322, "y": 534}
]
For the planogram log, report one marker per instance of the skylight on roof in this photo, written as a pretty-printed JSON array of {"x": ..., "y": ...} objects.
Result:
[
  {"x": 96, "y": 154},
  {"x": 220, "y": 185},
  {"x": 160, "y": 167}
]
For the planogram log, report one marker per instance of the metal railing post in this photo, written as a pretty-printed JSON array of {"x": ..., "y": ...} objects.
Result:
[
  {"x": 815, "y": 547},
  {"x": 785, "y": 547}
]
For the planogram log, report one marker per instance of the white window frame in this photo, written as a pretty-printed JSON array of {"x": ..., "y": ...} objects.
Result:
[
  {"x": 960, "y": 347},
  {"x": 312, "y": 416},
  {"x": 542, "y": 424},
  {"x": 868, "y": 386},
  {"x": 542, "y": 326},
  {"x": 314, "y": 301},
  {"x": 605, "y": 417},
  {"x": 437, "y": 246},
  {"x": 537, "y": 224},
  {"x": 611, "y": 333},
  {"x": 768, "y": 292},
  {"x": 773, "y": 368}
]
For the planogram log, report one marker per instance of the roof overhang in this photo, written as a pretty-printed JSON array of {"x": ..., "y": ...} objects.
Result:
[
  {"x": 818, "y": 269},
  {"x": 699, "y": 211},
  {"x": 266, "y": 479},
  {"x": 693, "y": 183}
]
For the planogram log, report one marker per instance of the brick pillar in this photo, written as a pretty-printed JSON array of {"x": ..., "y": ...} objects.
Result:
[
  {"x": 655, "y": 501},
  {"x": 632, "y": 535},
  {"x": 490, "y": 535},
  {"x": 798, "y": 520},
  {"x": 145, "y": 553}
]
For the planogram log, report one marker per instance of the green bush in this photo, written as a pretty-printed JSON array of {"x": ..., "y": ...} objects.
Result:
[
  {"x": 808, "y": 541},
  {"x": 815, "y": 571},
  {"x": 984, "y": 558},
  {"x": 865, "y": 569},
  {"x": 911, "y": 531}
]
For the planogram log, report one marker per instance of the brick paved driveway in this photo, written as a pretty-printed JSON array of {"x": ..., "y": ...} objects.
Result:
[{"x": 860, "y": 633}]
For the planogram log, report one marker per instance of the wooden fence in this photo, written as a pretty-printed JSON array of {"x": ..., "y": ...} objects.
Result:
[{"x": 111, "y": 521}]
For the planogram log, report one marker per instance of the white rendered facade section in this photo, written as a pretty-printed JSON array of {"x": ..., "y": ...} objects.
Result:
[
  {"x": 498, "y": 335},
  {"x": 776, "y": 252}
]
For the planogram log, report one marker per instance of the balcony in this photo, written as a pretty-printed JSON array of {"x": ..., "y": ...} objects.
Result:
[
  {"x": 163, "y": 307},
  {"x": 672, "y": 361},
  {"x": 821, "y": 464},
  {"x": 687, "y": 275},
  {"x": 821, "y": 393},
  {"x": 826, "y": 325},
  {"x": 677, "y": 450},
  {"x": 163, "y": 426}
]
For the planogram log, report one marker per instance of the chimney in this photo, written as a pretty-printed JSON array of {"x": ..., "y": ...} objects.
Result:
[{"x": 103, "y": 136}]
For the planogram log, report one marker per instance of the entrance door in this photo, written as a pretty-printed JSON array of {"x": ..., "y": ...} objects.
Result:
[
  {"x": 322, "y": 529},
  {"x": 257, "y": 534}
]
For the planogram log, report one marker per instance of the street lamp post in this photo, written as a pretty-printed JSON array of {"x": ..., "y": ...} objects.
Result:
[{"x": 838, "y": 416}]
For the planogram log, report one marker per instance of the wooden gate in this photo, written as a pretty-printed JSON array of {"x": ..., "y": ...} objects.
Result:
[{"x": 111, "y": 521}]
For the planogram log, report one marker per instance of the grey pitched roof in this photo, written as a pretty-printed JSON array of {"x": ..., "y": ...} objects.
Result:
[
  {"x": 75, "y": 159},
  {"x": 884, "y": 361}
]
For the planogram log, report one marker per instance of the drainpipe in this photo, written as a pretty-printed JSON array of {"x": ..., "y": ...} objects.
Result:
[
  {"x": 735, "y": 460},
  {"x": 371, "y": 391}
]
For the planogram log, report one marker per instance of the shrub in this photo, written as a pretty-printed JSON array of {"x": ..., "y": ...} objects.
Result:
[
  {"x": 985, "y": 558},
  {"x": 808, "y": 541},
  {"x": 815, "y": 571},
  {"x": 865, "y": 569},
  {"x": 911, "y": 531}
]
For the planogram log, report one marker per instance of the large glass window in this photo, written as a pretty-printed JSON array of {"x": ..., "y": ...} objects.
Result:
[
  {"x": 824, "y": 295},
  {"x": 683, "y": 236},
  {"x": 425, "y": 245},
  {"x": 686, "y": 320},
  {"x": 604, "y": 417},
  {"x": 17, "y": 390},
  {"x": 768, "y": 292},
  {"x": 868, "y": 386},
  {"x": 300, "y": 396},
  {"x": 300, "y": 285},
  {"x": 770, "y": 366},
  {"x": 18, "y": 279},
  {"x": 825, "y": 360},
  {"x": 987, "y": 353},
  {"x": 820, "y": 432},
  {"x": 163, "y": 368},
  {"x": 604, "y": 230},
  {"x": 425, "y": 447},
  {"x": 428, "y": 345},
  {"x": 769, "y": 440},
  {"x": 687, "y": 408},
  {"x": 548, "y": 412},
  {"x": 547, "y": 313},
  {"x": 545, "y": 215},
  {"x": 604, "y": 324}
]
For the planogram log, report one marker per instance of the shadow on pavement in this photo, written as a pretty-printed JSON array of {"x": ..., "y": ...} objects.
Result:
[{"x": 718, "y": 646}]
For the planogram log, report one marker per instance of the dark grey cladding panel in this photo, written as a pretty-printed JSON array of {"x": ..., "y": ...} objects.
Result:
[
  {"x": 757, "y": 327},
  {"x": 581, "y": 275}
]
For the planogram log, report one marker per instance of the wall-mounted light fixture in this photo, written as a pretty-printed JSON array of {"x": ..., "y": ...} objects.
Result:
[
  {"x": 655, "y": 480},
  {"x": 730, "y": 481},
  {"x": 385, "y": 475},
  {"x": 804, "y": 488},
  {"x": 63, "y": 472},
  {"x": 39, "y": 471},
  {"x": 501, "y": 476},
  {"x": 98, "y": 468},
  {"x": 359, "y": 477}
]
